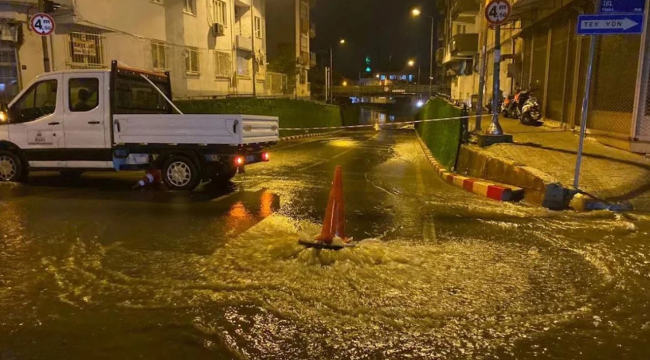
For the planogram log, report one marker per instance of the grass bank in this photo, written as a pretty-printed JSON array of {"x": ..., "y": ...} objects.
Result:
[{"x": 441, "y": 137}]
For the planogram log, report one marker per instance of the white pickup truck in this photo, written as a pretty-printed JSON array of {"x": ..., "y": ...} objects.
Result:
[{"x": 122, "y": 120}]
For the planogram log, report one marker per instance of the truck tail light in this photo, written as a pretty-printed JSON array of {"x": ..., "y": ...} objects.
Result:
[
  {"x": 239, "y": 161},
  {"x": 266, "y": 156}
]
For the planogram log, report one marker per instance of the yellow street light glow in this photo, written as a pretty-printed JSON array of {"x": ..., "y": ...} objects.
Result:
[
  {"x": 416, "y": 12},
  {"x": 342, "y": 41},
  {"x": 411, "y": 63},
  {"x": 345, "y": 83},
  {"x": 377, "y": 76}
]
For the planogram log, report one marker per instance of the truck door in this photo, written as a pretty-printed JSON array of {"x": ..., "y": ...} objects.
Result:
[
  {"x": 36, "y": 123},
  {"x": 84, "y": 121}
]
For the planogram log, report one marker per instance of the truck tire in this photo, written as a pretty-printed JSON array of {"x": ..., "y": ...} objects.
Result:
[
  {"x": 181, "y": 173},
  {"x": 12, "y": 167}
]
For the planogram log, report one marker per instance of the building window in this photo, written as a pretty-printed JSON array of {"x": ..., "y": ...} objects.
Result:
[
  {"x": 189, "y": 7},
  {"x": 222, "y": 64},
  {"x": 85, "y": 50},
  {"x": 303, "y": 76},
  {"x": 83, "y": 94},
  {"x": 258, "y": 27},
  {"x": 220, "y": 12},
  {"x": 304, "y": 43},
  {"x": 192, "y": 61},
  {"x": 243, "y": 64},
  {"x": 9, "y": 86},
  {"x": 461, "y": 29},
  {"x": 158, "y": 56}
]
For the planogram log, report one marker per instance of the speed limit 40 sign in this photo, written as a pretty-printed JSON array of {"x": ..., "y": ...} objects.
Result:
[
  {"x": 42, "y": 24},
  {"x": 497, "y": 12}
]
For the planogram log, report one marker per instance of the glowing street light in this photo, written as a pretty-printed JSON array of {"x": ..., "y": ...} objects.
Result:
[
  {"x": 345, "y": 83},
  {"x": 411, "y": 63},
  {"x": 342, "y": 41},
  {"x": 416, "y": 12}
]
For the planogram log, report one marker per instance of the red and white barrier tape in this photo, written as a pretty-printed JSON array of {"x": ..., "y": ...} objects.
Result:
[{"x": 383, "y": 124}]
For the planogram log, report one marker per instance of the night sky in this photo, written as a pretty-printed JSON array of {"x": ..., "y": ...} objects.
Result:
[{"x": 381, "y": 29}]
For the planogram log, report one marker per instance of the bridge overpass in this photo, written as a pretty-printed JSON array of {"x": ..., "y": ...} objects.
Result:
[{"x": 383, "y": 90}]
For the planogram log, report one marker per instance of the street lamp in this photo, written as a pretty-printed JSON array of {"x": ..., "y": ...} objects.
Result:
[
  {"x": 330, "y": 78},
  {"x": 411, "y": 63},
  {"x": 417, "y": 12},
  {"x": 345, "y": 83}
]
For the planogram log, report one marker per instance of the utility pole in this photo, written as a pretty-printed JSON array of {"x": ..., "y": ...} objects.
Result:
[
  {"x": 433, "y": 30},
  {"x": 481, "y": 83},
  {"x": 495, "y": 127},
  {"x": 331, "y": 75},
  {"x": 253, "y": 47}
]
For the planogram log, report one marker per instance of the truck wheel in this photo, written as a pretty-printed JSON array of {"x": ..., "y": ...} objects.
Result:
[
  {"x": 225, "y": 174},
  {"x": 11, "y": 167},
  {"x": 181, "y": 173}
]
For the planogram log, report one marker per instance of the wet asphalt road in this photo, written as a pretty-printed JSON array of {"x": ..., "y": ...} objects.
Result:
[{"x": 90, "y": 269}]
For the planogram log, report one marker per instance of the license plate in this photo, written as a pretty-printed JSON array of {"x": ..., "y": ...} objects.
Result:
[{"x": 250, "y": 159}]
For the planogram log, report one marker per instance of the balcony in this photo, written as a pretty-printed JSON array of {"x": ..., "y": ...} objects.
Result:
[
  {"x": 465, "y": 10},
  {"x": 304, "y": 58},
  {"x": 244, "y": 43},
  {"x": 464, "y": 45}
]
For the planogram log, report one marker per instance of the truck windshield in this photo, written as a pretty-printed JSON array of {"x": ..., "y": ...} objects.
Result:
[{"x": 136, "y": 96}]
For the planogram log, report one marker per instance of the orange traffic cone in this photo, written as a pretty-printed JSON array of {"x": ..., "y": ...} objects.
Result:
[
  {"x": 152, "y": 176},
  {"x": 334, "y": 223}
]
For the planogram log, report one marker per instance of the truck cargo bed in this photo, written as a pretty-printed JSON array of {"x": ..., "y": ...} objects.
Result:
[{"x": 195, "y": 129}]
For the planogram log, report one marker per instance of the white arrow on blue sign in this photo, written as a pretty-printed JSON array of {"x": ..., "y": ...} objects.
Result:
[{"x": 610, "y": 24}]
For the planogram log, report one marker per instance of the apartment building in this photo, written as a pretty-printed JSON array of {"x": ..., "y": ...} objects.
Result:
[
  {"x": 289, "y": 33},
  {"x": 210, "y": 47},
  {"x": 541, "y": 51}
]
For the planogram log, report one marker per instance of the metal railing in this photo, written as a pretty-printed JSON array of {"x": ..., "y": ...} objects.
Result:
[{"x": 380, "y": 90}]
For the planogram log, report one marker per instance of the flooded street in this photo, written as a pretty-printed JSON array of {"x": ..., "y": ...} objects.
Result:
[{"x": 92, "y": 269}]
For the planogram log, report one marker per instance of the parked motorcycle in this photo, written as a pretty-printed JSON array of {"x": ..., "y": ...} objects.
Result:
[
  {"x": 530, "y": 111},
  {"x": 508, "y": 108}
]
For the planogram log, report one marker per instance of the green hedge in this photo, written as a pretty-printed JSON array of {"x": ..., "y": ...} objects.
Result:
[
  {"x": 292, "y": 113},
  {"x": 442, "y": 137}
]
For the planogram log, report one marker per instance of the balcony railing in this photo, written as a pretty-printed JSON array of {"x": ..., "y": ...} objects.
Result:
[
  {"x": 464, "y": 8},
  {"x": 464, "y": 45},
  {"x": 440, "y": 55},
  {"x": 244, "y": 43}
]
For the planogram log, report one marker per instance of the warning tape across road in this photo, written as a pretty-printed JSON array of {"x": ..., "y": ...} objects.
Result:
[{"x": 383, "y": 124}]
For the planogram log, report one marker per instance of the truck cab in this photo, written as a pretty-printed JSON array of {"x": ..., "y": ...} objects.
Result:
[{"x": 122, "y": 120}]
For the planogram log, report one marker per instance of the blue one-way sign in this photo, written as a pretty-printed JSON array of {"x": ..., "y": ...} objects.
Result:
[{"x": 610, "y": 24}]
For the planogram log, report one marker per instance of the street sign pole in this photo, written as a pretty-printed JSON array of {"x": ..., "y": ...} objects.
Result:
[
  {"x": 585, "y": 111},
  {"x": 495, "y": 127}
]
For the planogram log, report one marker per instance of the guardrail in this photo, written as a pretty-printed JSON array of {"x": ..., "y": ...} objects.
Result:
[{"x": 383, "y": 90}]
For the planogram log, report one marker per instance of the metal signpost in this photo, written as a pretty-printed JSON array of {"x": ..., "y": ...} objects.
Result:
[
  {"x": 617, "y": 17},
  {"x": 497, "y": 12}
]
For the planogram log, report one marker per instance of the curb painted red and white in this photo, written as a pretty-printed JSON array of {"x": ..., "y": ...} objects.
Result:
[{"x": 476, "y": 186}]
